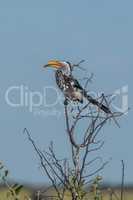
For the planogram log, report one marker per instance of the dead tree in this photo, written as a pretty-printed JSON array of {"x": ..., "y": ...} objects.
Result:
[{"x": 71, "y": 175}]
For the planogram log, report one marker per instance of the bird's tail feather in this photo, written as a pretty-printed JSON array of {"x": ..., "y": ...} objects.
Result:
[{"x": 98, "y": 104}]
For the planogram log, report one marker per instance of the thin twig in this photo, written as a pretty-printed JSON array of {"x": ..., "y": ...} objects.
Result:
[{"x": 122, "y": 180}]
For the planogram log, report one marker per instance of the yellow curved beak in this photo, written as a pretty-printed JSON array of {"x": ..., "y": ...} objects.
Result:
[{"x": 54, "y": 64}]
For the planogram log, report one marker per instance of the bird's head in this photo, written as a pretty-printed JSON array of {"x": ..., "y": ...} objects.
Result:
[{"x": 64, "y": 66}]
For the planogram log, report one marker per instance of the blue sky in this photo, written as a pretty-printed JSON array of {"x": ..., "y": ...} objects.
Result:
[{"x": 31, "y": 33}]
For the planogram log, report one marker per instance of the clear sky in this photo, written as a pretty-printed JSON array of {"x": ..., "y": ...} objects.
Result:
[{"x": 31, "y": 32}]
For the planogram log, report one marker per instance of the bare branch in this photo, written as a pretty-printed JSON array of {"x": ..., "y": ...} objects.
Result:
[
  {"x": 70, "y": 175},
  {"x": 97, "y": 171}
]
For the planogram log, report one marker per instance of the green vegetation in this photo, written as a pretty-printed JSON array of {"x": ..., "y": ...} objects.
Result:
[
  {"x": 5, "y": 194},
  {"x": 11, "y": 191},
  {"x": 28, "y": 192}
]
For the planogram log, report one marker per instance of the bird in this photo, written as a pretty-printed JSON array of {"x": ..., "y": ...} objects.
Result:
[{"x": 69, "y": 85}]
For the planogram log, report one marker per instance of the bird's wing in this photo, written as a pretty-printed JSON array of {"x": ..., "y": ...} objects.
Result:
[
  {"x": 77, "y": 84},
  {"x": 73, "y": 82}
]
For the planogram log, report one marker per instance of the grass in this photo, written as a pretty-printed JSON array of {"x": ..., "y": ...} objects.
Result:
[
  {"x": 27, "y": 192},
  {"x": 24, "y": 193}
]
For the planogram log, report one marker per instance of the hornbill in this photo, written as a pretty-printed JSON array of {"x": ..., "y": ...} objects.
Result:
[{"x": 70, "y": 87}]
